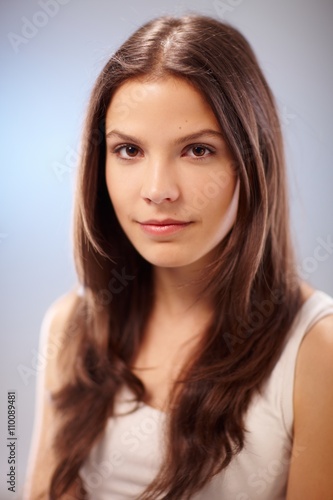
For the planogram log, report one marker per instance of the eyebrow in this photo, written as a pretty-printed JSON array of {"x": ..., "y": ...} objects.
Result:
[{"x": 180, "y": 140}]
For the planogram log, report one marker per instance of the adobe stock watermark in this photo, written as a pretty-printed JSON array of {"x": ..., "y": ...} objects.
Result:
[
  {"x": 287, "y": 116},
  {"x": 265, "y": 308},
  {"x": 246, "y": 327},
  {"x": 31, "y": 27},
  {"x": 321, "y": 253},
  {"x": 68, "y": 165},
  {"x": 40, "y": 358},
  {"x": 222, "y": 8},
  {"x": 221, "y": 179},
  {"x": 73, "y": 156},
  {"x": 116, "y": 285},
  {"x": 137, "y": 439},
  {"x": 200, "y": 199},
  {"x": 263, "y": 477},
  {"x": 133, "y": 97}
]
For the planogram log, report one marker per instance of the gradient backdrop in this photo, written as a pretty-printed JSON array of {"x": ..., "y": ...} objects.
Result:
[{"x": 51, "y": 53}]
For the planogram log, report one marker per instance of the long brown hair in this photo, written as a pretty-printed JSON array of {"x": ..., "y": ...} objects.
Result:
[{"x": 252, "y": 283}]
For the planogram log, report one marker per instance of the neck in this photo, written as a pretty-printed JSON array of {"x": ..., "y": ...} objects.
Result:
[{"x": 177, "y": 293}]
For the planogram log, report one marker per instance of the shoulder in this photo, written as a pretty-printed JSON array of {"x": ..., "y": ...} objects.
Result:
[
  {"x": 41, "y": 461},
  {"x": 312, "y": 460},
  {"x": 314, "y": 367},
  {"x": 59, "y": 310},
  {"x": 54, "y": 331},
  {"x": 317, "y": 344}
]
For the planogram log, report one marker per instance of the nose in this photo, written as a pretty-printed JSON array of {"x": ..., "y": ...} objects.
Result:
[{"x": 159, "y": 183}]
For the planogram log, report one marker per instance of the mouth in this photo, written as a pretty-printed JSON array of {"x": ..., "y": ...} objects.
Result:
[{"x": 164, "y": 227}]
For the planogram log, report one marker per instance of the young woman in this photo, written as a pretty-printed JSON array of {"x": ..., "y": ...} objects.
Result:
[{"x": 192, "y": 363}]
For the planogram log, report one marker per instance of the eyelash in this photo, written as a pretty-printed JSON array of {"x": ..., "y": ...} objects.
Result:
[
  {"x": 210, "y": 150},
  {"x": 122, "y": 146}
]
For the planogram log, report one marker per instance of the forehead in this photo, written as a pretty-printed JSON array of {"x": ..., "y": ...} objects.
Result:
[{"x": 169, "y": 102}]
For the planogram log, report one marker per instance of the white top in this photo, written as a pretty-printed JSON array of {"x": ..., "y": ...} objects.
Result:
[{"x": 128, "y": 457}]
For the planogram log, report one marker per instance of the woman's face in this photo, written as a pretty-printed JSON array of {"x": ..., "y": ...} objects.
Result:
[{"x": 168, "y": 171}]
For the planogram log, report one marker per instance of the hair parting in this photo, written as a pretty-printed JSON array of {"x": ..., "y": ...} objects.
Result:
[{"x": 253, "y": 266}]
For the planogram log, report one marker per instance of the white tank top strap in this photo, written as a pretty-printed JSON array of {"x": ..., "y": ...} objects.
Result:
[
  {"x": 130, "y": 454},
  {"x": 316, "y": 307}
]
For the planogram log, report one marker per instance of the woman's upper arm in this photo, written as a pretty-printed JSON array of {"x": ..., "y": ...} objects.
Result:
[
  {"x": 41, "y": 460},
  {"x": 311, "y": 470}
]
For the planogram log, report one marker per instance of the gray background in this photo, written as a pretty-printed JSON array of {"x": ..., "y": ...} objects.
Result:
[{"x": 45, "y": 84}]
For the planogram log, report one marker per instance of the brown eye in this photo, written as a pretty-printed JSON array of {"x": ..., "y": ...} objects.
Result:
[
  {"x": 131, "y": 151},
  {"x": 126, "y": 151},
  {"x": 199, "y": 150}
]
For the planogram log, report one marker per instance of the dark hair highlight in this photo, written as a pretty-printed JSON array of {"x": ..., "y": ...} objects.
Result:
[{"x": 254, "y": 266}]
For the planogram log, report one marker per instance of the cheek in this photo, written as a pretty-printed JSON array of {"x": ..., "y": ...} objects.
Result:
[
  {"x": 123, "y": 196},
  {"x": 122, "y": 183},
  {"x": 219, "y": 199},
  {"x": 116, "y": 186},
  {"x": 215, "y": 193},
  {"x": 225, "y": 214}
]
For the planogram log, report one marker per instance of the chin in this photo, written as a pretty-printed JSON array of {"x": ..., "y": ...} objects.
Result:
[
  {"x": 166, "y": 262},
  {"x": 170, "y": 259},
  {"x": 166, "y": 257}
]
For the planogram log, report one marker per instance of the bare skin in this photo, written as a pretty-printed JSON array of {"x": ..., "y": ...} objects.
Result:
[
  {"x": 184, "y": 173},
  {"x": 311, "y": 465},
  {"x": 313, "y": 405},
  {"x": 172, "y": 333},
  {"x": 158, "y": 176},
  {"x": 41, "y": 459}
]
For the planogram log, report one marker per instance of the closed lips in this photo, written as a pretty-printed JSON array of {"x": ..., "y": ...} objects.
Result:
[
  {"x": 166, "y": 222},
  {"x": 167, "y": 227}
]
